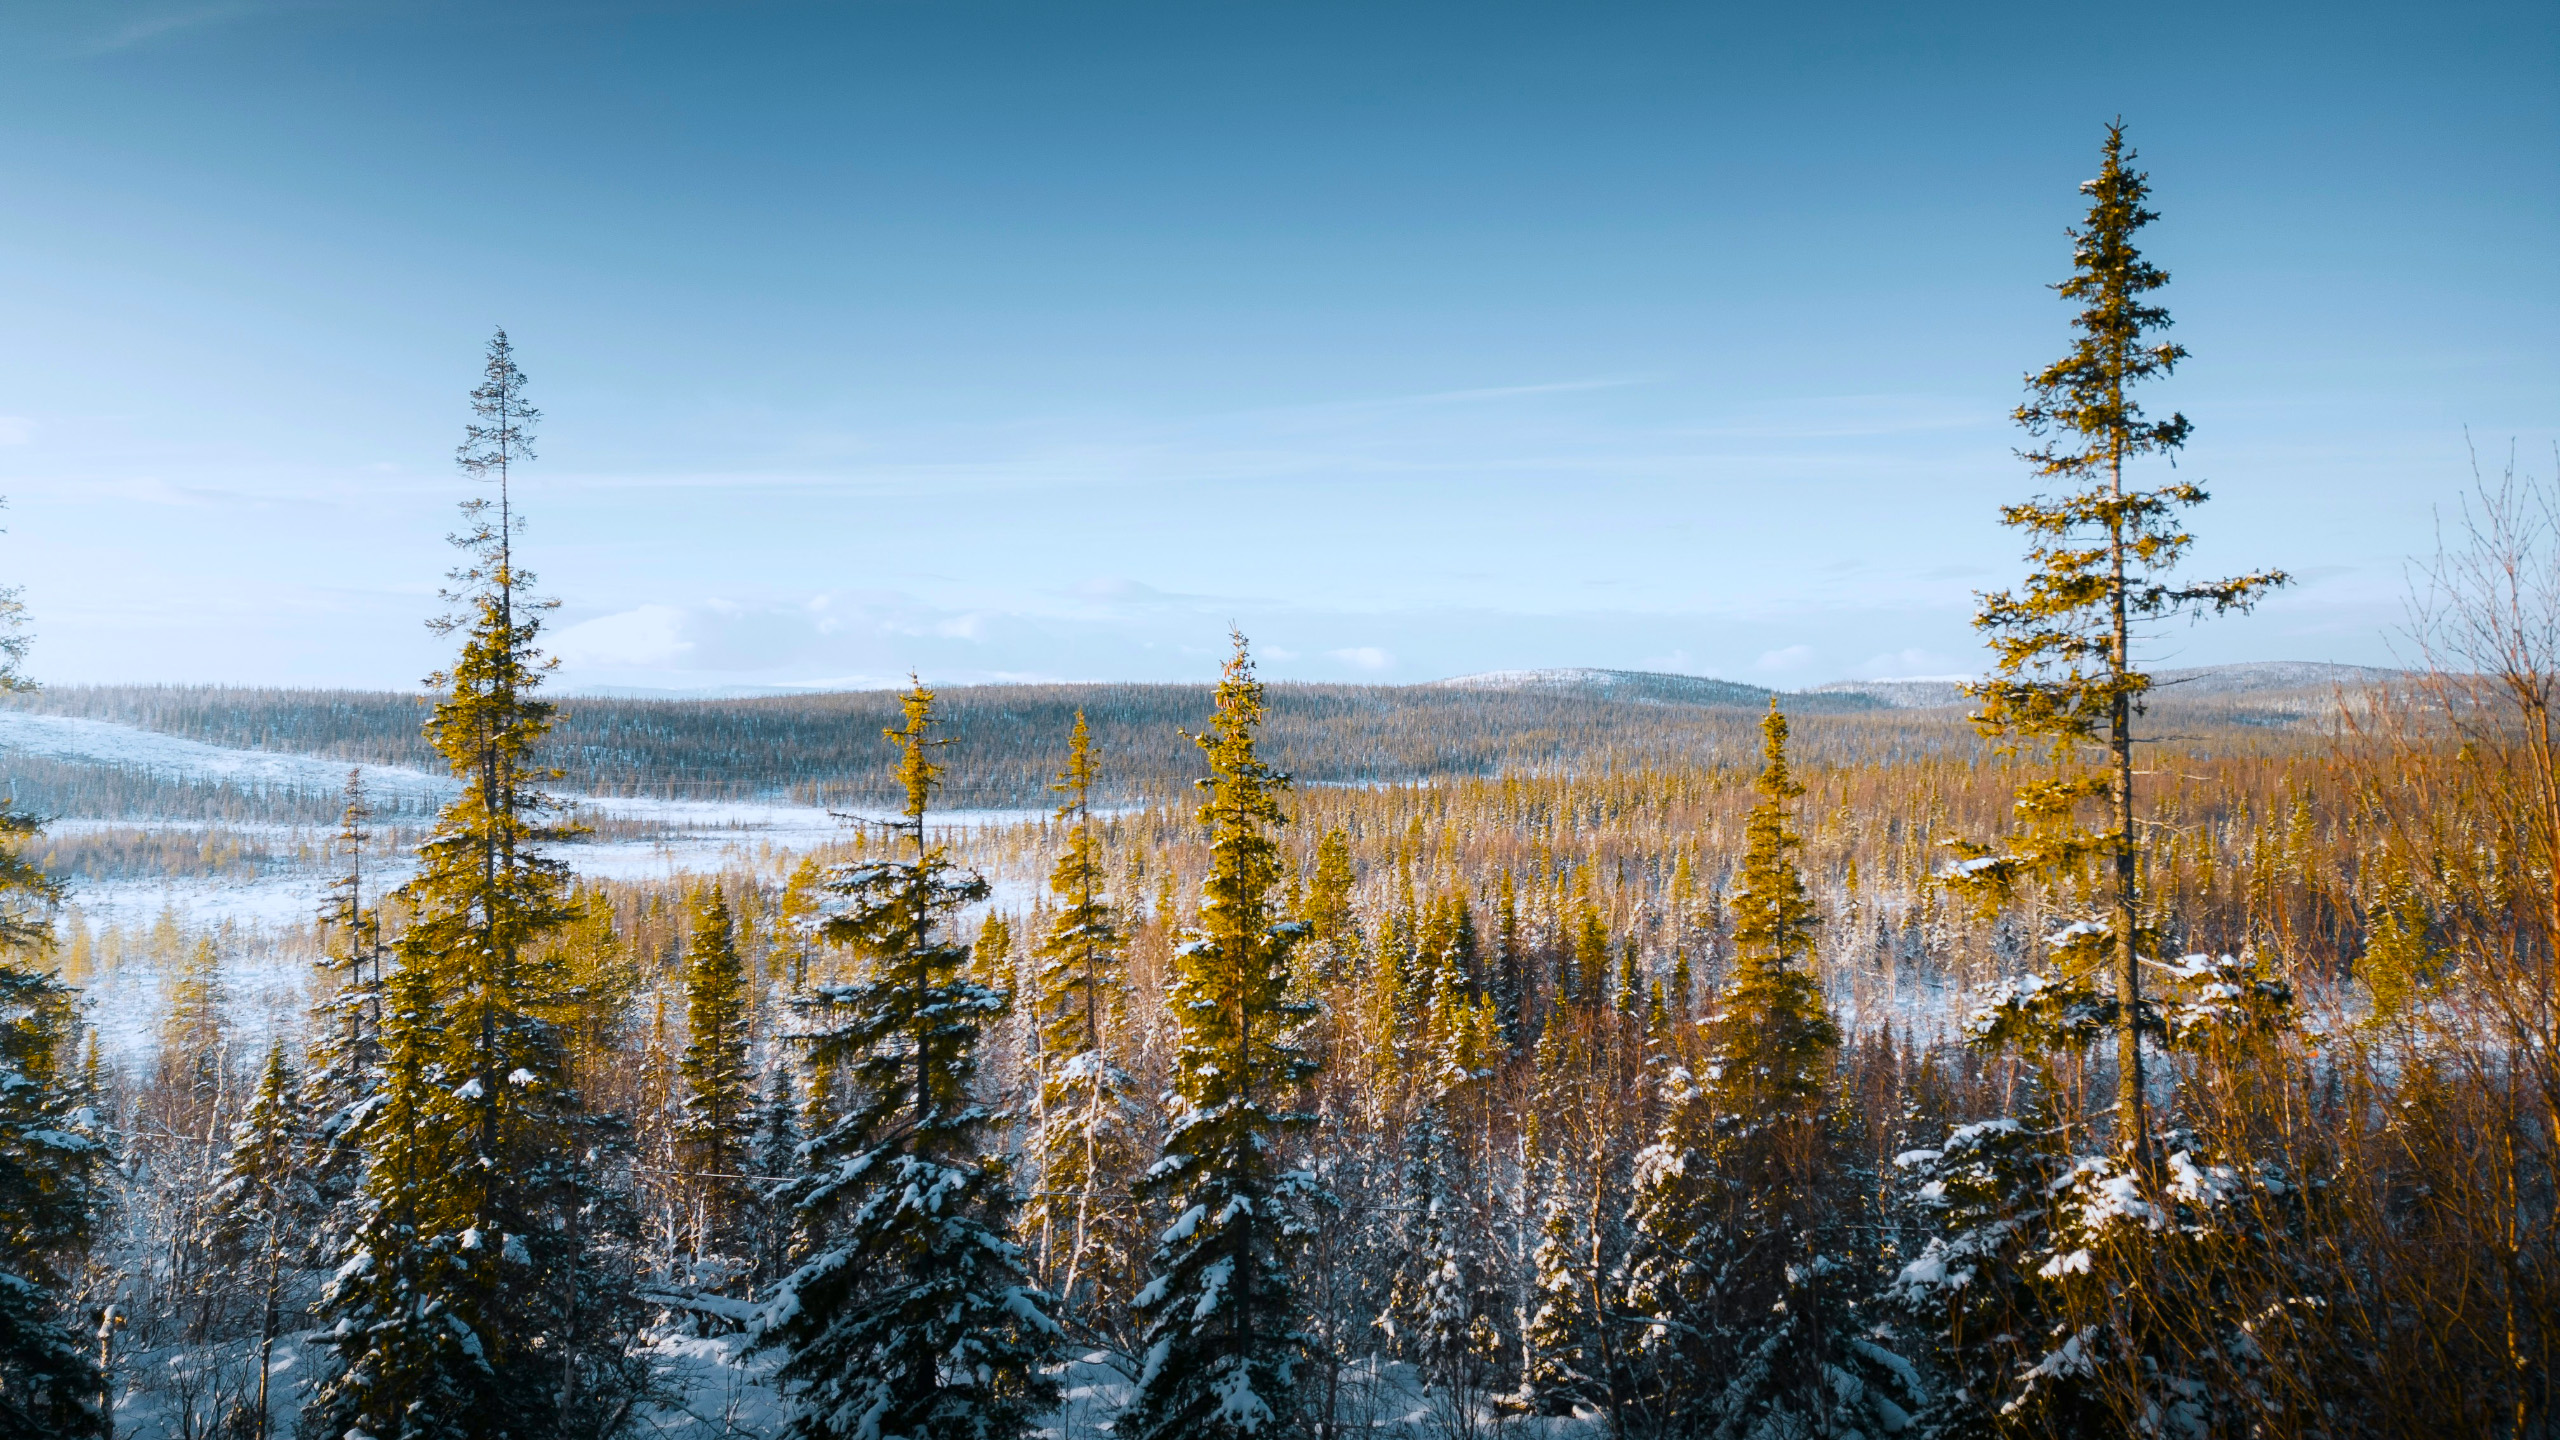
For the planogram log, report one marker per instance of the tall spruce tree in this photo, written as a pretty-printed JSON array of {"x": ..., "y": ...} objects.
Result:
[
  {"x": 1086, "y": 1145},
  {"x": 1440, "y": 1305},
  {"x": 1221, "y": 1315},
  {"x": 480, "y": 1300},
  {"x": 1740, "y": 1257},
  {"x": 406, "y": 1364},
  {"x": 720, "y": 1096},
  {"x": 1574, "y": 1341},
  {"x": 50, "y": 1148},
  {"x": 2065, "y": 681},
  {"x": 914, "y": 1318}
]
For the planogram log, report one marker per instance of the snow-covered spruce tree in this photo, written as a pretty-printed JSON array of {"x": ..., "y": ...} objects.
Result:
[
  {"x": 50, "y": 1145},
  {"x": 2006, "y": 1356},
  {"x": 720, "y": 1099},
  {"x": 2065, "y": 686},
  {"x": 1086, "y": 1146},
  {"x": 1441, "y": 1305},
  {"x": 345, "y": 1048},
  {"x": 406, "y": 1365},
  {"x": 1587, "y": 1113},
  {"x": 265, "y": 1209},
  {"x": 483, "y": 1297},
  {"x": 1221, "y": 1315},
  {"x": 2064, "y": 681},
  {"x": 773, "y": 1224},
  {"x": 914, "y": 1318},
  {"x": 49, "y": 1150},
  {"x": 1741, "y": 1258},
  {"x": 1561, "y": 1367}
]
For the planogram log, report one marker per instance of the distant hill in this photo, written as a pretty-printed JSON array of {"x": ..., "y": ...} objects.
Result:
[
  {"x": 1656, "y": 687},
  {"x": 2260, "y": 678},
  {"x": 1011, "y": 739},
  {"x": 1917, "y": 693}
]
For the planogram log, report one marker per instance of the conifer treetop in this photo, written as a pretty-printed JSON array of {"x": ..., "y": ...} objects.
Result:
[
  {"x": 2100, "y": 553},
  {"x": 1243, "y": 791},
  {"x": 917, "y": 772},
  {"x": 1773, "y": 916},
  {"x": 1076, "y": 780},
  {"x": 499, "y": 437},
  {"x": 2099, "y": 557},
  {"x": 1221, "y": 1315}
]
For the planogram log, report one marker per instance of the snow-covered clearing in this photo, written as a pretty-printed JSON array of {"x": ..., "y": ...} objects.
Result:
[
  {"x": 169, "y": 757},
  {"x": 264, "y": 976}
]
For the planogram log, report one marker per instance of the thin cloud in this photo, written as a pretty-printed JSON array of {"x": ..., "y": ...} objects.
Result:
[{"x": 145, "y": 29}]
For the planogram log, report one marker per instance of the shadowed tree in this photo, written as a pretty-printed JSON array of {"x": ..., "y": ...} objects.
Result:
[
  {"x": 1221, "y": 1314},
  {"x": 48, "y": 1148},
  {"x": 479, "y": 1300},
  {"x": 912, "y": 1318},
  {"x": 1087, "y": 1153},
  {"x": 720, "y": 1096}
]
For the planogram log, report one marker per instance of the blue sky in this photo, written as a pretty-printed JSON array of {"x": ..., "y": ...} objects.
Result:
[{"x": 1043, "y": 340}]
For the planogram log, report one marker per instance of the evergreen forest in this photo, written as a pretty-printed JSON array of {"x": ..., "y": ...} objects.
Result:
[{"x": 2103, "y": 1050}]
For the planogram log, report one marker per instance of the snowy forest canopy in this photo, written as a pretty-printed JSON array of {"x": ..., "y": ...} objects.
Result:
[{"x": 1532, "y": 1063}]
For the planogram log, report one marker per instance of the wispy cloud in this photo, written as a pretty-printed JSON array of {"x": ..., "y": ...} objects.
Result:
[
  {"x": 159, "y": 25},
  {"x": 1503, "y": 392},
  {"x": 154, "y": 23}
]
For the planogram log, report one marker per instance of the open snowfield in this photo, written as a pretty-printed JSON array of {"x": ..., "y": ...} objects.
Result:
[
  {"x": 265, "y": 983},
  {"x": 169, "y": 757}
]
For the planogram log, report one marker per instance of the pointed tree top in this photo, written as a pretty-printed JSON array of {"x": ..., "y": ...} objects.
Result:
[
  {"x": 916, "y": 770},
  {"x": 1076, "y": 781},
  {"x": 1777, "y": 781}
]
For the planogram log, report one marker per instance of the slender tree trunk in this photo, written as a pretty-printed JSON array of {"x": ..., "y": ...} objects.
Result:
[
  {"x": 2131, "y": 1103},
  {"x": 267, "y": 1314}
]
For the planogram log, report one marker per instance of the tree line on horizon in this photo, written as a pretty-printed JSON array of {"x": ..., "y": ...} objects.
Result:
[{"x": 1572, "y": 1141}]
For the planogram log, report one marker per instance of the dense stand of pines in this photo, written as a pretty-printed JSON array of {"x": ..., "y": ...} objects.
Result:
[{"x": 1865, "y": 1086}]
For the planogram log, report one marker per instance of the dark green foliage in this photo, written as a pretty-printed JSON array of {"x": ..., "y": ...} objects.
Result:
[
  {"x": 482, "y": 1298},
  {"x": 719, "y": 1103},
  {"x": 1740, "y": 1259},
  {"x": 914, "y": 1317},
  {"x": 49, "y": 1156},
  {"x": 1221, "y": 1315},
  {"x": 49, "y": 1146}
]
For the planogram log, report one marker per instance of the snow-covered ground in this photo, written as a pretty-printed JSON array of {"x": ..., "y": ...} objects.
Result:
[
  {"x": 169, "y": 757},
  {"x": 265, "y": 982}
]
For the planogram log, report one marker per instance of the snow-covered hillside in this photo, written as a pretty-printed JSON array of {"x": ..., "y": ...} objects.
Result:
[{"x": 1648, "y": 687}]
